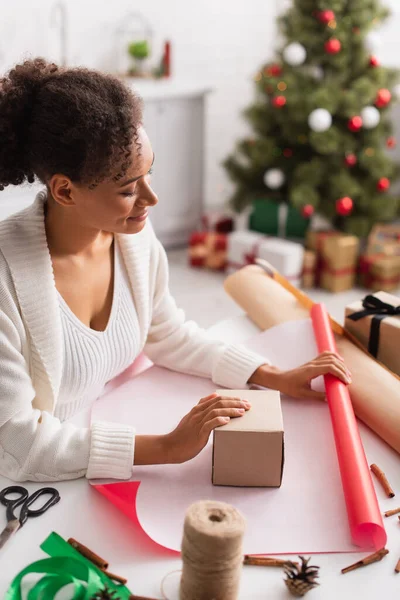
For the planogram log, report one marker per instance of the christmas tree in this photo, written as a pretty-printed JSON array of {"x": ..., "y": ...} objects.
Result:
[{"x": 322, "y": 119}]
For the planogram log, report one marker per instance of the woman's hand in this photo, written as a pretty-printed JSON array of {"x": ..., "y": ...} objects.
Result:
[
  {"x": 297, "y": 382},
  {"x": 193, "y": 432}
]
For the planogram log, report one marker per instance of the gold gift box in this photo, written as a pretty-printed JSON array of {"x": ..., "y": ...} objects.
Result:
[{"x": 386, "y": 345}]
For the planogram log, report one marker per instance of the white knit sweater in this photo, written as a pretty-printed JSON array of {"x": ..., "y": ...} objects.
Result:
[
  {"x": 104, "y": 354},
  {"x": 34, "y": 444}
]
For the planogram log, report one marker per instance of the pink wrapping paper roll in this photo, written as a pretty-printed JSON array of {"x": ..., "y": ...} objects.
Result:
[{"x": 365, "y": 519}]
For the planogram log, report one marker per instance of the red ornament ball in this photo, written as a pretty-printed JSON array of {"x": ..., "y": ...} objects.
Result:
[
  {"x": 279, "y": 101},
  {"x": 275, "y": 70},
  {"x": 333, "y": 46},
  {"x": 344, "y": 206},
  {"x": 355, "y": 123},
  {"x": 350, "y": 160},
  {"x": 383, "y": 184},
  {"x": 374, "y": 62},
  {"x": 324, "y": 16},
  {"x": 307, "y": 211},
  {"x": 383, "y": 98},
  {"x": 287, "y": 153},
  {"x": 391, "y": 142}
]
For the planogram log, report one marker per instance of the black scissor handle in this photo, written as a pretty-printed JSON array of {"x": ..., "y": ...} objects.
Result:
[
  {"x": 26, "y": 512},
  {"x": 12, "y": 503}
]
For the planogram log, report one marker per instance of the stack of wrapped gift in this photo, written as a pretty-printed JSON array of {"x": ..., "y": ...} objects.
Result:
[
  {"x": 337, "y": 255},
  {"x": 379, "y": 272},
  {"x": 287, "y": 257},
  {"x": 375, "y": 322},
  {"x": 379, "y": 267},
  {"x": 384, "y": 239},
  {"x": 208, "y": 250}
]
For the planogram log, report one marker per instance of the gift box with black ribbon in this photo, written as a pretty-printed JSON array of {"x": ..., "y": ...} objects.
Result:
[{"x": 375, "y": 322}]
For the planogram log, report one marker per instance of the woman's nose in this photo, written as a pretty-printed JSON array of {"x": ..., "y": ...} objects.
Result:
[{"x": 147, "y": 195}]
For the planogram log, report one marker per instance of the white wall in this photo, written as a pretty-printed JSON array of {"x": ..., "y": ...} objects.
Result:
[{"x": 218, "y": 42}]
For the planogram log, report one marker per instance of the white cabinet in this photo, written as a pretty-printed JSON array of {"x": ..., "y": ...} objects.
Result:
[{"x": 174, "y": 117}]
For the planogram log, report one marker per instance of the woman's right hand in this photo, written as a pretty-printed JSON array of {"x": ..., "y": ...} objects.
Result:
[{"x": 193, "y": 431}]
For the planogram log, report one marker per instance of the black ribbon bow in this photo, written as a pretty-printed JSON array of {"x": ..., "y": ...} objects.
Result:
[{"x": 374, "y": 306}]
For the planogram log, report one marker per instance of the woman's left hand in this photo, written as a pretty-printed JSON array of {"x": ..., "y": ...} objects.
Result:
[{"x": 297, "y": 382}]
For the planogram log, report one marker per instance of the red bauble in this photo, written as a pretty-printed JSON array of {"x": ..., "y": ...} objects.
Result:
[
  {"x": 383, "y": 98},
  {"x": 355, "y": 123},
  {"x": 373, "y": 61},
  {"x": 333, "y": 46},
  {"x": 287, "y": 153},
  {"x": 383, "y": 184},
  {"x": 273, "y": 71},
  {"x": 350, "y": 160},
  {"x": 391, "y": 142},
  {"x": 324, "y": 16},
  {"x": 279, "y": 101},
  {"x": 307, "y": 211},
  {"x": 344, "y": 206}
]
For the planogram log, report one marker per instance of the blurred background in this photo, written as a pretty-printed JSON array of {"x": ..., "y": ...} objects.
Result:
[{"x": 198, "y": 67}]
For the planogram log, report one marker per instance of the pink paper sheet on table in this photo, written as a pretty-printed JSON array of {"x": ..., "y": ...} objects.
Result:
[{"x": 307, "y": 514}]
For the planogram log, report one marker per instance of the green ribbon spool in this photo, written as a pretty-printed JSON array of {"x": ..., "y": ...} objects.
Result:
[{"x": 65, "y": 567}]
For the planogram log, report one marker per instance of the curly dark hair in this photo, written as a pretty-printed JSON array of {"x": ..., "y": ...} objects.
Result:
[{"x": 78, "y": 122}]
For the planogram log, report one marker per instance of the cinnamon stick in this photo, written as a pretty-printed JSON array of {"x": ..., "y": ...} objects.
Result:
[
  {"x": 380, "y": 475},
  {"x": 89, "y": 554},
  {"x": 266, "y": 561},
  {"x": 133, "y": 597},
  {"x": 397, "y": 567},
  {"x": 114, "y": 577},
  {"x": 377, "y": 556},
  {"x": 390, "y": 513}
]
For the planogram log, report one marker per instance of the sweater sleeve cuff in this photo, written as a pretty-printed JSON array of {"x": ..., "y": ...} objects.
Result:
[
  {"x": 236, "y": 366},
  {"x": 111, "y": 451}
]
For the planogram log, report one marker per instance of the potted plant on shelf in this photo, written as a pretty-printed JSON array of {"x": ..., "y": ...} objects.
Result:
[{"x": 139, "y": 51}]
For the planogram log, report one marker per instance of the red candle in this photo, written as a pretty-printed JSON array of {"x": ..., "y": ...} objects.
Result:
[{"x": 365, "y": 519}]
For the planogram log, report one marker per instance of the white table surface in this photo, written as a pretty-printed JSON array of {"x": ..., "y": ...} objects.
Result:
[{"x": 87, "y": 516}]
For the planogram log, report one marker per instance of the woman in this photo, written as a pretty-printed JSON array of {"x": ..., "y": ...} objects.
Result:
[{"x": 84, "y": 286}]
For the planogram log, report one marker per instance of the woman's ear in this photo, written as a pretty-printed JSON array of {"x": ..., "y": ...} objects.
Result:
[{"x": 60, "y": 188}]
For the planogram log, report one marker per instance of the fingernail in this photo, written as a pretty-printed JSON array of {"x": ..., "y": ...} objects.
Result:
[
  {"x": 241, "y": 410},
  {"x": 226, "y": 419}
]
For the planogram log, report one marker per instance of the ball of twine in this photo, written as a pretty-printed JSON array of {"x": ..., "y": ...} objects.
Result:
[{"x": 211, "y": 552}]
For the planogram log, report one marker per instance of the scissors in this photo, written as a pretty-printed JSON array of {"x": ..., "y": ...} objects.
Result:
[{"x": 24, "y": 500}]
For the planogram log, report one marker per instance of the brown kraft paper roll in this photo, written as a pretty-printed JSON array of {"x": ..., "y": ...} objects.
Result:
[{"x": 375, "y": 391}]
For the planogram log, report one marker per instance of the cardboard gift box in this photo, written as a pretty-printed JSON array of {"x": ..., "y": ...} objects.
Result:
[
  {"x": 384, "y": 239},
  {"x": 273, "y": 217},
  {"x": 379, "y": 272},
  {"x": 309, "y": 269},
  {"x": 375, "y": 322},
  {"x": 249, "y": 451},
  {"x": 208, "y": 250},
  {"x": 337, "y": 255},
  {"x": 245, "y": 246}
]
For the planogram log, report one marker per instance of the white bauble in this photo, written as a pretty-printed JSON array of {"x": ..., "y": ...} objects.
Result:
[
  {"x": 294, "y": 54},
  {"x": 372, "y": 41},
  {"x": 396, "y": 91},
  {"x": 370, "y": 116},
  {"x": 274, "y": 178},
  {"x": 320, "y": 119}
]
